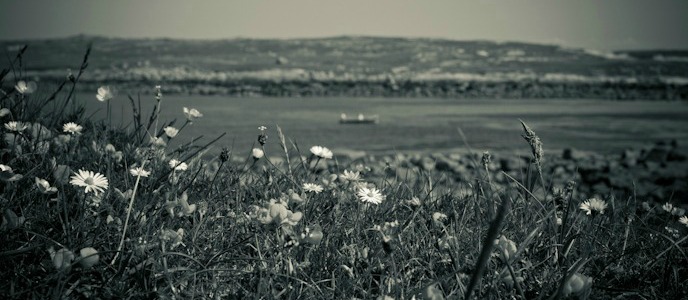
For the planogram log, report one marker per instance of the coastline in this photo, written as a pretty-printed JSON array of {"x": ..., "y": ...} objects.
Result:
[{"x": 405, "y": 89}]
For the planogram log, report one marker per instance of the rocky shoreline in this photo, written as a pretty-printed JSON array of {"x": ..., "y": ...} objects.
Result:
[{"x": 656, "y": 173}]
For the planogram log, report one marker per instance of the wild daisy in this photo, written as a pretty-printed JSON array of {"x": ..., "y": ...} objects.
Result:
[
  {"x": 668, "y": 207},
  {"x": 257, "y": 153},
  {"x": 192, "y": 114},
  {"x": 593, "y": 206},
  {"x": 44, "y": 187},
  {"x": 350, "y": 176},
  {"x": 370, "y": 195},
  {"x": 4, "y": 112},
  {"x": 439, "y": 217},
  {"x": 25, "y": 88},
  {"x": 158, "y": 142},
  {"x": 104, "y": 93},
  {"x": 91, "y": 181},
  {"x": 72, "y": 128},
  {"x": 171, "y": 131},
  {"x": 139, "y": 171},
  {"x": 683, "y": 220},
  {"x": 312, "y": 187},
  {"x": 178, "y": 166},
  {"x": 321, "y": 152},
  {"x": 15, "y": 126}
]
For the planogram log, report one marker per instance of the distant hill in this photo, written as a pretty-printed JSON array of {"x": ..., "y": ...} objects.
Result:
[{"x": 328, "y": 66}]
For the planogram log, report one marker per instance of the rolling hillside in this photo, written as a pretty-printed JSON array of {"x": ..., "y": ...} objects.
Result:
[{"x": 360, "y": 66}]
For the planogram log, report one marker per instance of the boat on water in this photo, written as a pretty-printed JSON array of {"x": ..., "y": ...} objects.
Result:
[{"x": 360, "y": 119}]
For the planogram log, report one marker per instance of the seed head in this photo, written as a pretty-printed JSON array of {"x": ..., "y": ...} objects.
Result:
[
  {"x": 486, "y": 158},
  {"x": 262, "y": 138},
  {"x": 224, "y": 155},
  {"x": 535, "y": 143}
]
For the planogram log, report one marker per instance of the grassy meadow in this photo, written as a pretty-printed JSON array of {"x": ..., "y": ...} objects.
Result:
[{"x": 104, "y": 203}]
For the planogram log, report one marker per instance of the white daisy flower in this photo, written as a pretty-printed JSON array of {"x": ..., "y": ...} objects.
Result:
[
  {"x": 350, "y": 176},
  {"x": 91, "y": 181},
  {"x": 104, "y": 93},
  {"x": 439, "y": 217},
  {"x": 139, "y": 171},
  {"x": 171, "y": 131},
  {"x": 72, "y": 128},
  {"x": 4, "y": 112},
  {"x": 257, "y": 153},
  {"x": 370, "y": 195},
  {"x": 158, "y": 142},
  {"x": 683, "y": 220},
  {"x": 312, "y": 187},
  {"x": 178, "y": 166},
  {"x": 192, "y": 114},
  {"x": 25, "y": 88},
  {"x": 321, "y": 152},
  {"x": 15, "y": 126},
  {"x": 593, "y": 205},
  {"x": 668, "y": 207}
]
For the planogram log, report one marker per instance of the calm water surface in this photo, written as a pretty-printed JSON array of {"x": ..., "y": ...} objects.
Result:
[{"x": 417, "y": 124}]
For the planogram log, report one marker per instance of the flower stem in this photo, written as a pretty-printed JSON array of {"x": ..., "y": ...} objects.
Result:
[{"x": 126, "y": 221}]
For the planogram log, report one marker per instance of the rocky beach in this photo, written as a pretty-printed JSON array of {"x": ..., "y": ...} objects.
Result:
[{"x": 657, "y": 173}]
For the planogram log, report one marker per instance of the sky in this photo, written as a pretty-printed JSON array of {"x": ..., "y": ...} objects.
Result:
[{"x": 592, "y": 24}]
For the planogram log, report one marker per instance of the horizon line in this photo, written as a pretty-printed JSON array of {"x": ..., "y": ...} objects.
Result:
[{"x": 84, "y": 35}]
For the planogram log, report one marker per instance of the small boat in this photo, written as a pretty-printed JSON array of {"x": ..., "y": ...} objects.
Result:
[{"x": 360, "y": 119}]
